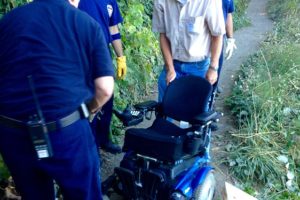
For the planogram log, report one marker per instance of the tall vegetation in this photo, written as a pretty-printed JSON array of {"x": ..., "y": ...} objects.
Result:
[
  {"x": 240, "y": 19},
  {"x": 141, "y": 48},
  {"x": 266, "y": 101}
]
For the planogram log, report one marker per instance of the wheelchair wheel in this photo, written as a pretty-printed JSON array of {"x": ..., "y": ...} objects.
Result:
[{"x": 205, "y": 191}]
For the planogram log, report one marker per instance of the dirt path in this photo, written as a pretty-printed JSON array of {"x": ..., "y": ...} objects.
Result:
[{"x": 247, "y": 40}]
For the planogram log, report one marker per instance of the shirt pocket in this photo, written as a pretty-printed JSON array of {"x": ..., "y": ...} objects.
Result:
[{"x": 195, "y": 24}]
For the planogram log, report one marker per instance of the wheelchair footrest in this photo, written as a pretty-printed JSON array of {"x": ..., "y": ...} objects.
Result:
[
  {"x": 152, "y": 181},
  {"x": 127, "y": 179}
]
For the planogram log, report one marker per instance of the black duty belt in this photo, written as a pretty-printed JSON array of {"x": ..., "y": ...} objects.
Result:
[{"x": 51, "y": 126}]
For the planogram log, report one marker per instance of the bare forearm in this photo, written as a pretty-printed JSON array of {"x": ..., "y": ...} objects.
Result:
[
  {"x": 229, "y": 26},
  {"x": 117, "y": 45},
  {"x": 103, "y": 91},
  {"x": 166, "y": 51},
  {"x": 216, "y": 48}
]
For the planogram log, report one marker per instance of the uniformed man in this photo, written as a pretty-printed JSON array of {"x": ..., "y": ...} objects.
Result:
[
  {"x": 229, "y": 41},
  {"x": 107, "y": 14},
  {"x": 228, "y": 9},
  {"x": 50, "y": 52}
]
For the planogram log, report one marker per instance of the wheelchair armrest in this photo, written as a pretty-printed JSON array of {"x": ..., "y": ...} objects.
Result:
[
  {"x": 206, "y": 117},
  {"x": 146, "y": 106}
]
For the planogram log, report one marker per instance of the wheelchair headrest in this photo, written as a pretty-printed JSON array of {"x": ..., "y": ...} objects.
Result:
[{"x": 186, "y": 97}]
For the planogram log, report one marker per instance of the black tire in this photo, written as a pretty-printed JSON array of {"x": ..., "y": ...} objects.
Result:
[{"x": 205, "y": 191}]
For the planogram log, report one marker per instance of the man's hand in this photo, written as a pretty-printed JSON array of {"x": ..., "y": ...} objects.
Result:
[
  {"x": 171, "y": 75},
  {"x": 212, "y": 75},
  {"x": 230, "y": 46},
  {"x": 93, "y": 115},
  {"x": 121, "y": 67}
]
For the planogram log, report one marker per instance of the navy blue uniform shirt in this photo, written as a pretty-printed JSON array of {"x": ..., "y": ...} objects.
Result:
[
  {"x": 105, "y": 12},
  {"x": 61, "y": 47}
]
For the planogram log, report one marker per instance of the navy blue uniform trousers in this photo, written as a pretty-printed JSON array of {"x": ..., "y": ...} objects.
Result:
[
  {"x": 101, "y": 126},
  {"x": 74, "y": 166}
]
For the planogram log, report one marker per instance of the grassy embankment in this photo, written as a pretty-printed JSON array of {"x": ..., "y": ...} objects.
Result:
[{"x": 265, "y": 154}]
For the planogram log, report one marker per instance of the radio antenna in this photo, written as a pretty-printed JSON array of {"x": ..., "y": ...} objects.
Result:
[{"x": 35, "y": 98}]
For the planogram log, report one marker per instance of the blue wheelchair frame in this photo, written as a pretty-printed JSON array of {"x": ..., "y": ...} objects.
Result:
[{"x": 186, "y": 184}]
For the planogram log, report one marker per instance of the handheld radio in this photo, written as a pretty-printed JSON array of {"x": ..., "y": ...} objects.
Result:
[{"x": 38, "y": 129}]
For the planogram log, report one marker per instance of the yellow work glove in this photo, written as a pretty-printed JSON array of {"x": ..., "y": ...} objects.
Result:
[{"x": 121, "y": 67}]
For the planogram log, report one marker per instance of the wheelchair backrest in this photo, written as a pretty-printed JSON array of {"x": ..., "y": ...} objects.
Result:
[{"x": 186, "y": 97}]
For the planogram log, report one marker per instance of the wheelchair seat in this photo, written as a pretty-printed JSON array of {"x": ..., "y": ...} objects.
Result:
[{"x": 185, "y": 99}]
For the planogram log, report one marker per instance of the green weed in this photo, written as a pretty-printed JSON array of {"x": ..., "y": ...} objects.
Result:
[
  {"x": 4, "y": 174},
  {"x": 239, "y": 16}
]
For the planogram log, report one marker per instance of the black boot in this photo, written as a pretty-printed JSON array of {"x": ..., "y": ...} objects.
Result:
[{"x": 111, "y": 148}]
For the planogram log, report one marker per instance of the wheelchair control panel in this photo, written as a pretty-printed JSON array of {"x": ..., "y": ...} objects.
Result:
[{"x": 133, "y": 115}]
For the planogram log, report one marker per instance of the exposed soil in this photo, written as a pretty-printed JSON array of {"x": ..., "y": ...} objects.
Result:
[{"x": 248, "y": 41}]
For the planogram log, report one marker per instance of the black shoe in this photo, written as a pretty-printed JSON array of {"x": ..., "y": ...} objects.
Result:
[
  {"x": 214, "y": 126},
  {"x": 111, "y": 148}
]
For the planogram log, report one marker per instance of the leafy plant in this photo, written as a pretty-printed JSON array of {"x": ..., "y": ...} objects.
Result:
[
  {"x": 239, "y": 16},
  {"x": 7, "y": 5},
  {"x": 4, "y": 174},
  {"x": 142, "y": 50}
]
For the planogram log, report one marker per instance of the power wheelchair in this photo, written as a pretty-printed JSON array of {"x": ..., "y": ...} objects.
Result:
[{"x": 165, "y": 161}]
